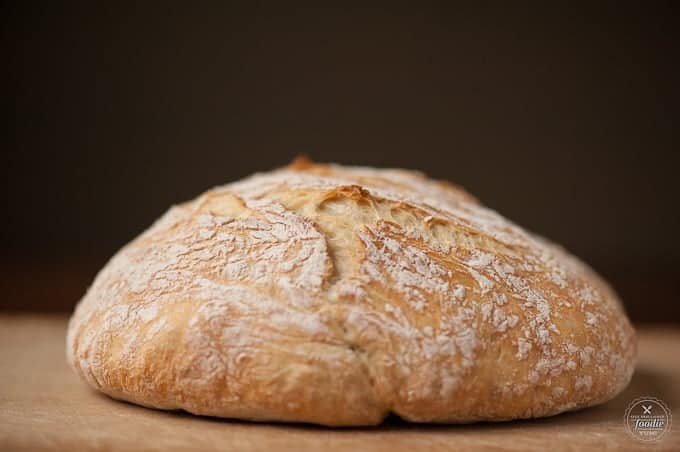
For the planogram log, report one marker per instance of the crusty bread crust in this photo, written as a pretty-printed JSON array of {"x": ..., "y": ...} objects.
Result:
[{"x": 336, "y": 295}]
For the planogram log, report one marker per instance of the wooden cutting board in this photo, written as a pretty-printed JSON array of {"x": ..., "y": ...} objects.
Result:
[{"x": 43, "y": 406}]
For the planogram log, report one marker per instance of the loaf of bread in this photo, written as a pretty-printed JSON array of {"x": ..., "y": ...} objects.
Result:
[{"x": 337, "y": 295}]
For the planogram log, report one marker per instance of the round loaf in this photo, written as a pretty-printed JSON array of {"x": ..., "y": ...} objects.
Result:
[{"x": 337, "y": 295}]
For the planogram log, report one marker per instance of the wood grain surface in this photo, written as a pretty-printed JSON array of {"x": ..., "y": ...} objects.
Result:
[{"x": 43, "y": 406}]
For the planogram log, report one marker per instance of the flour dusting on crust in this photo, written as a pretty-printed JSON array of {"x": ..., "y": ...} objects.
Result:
[{"x": 336, "y": 295}]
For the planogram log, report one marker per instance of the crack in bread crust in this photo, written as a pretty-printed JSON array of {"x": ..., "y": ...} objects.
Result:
[{"x": 335, "y": 295}]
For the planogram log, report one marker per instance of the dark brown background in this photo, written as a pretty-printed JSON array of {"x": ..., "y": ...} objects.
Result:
[{"x": 563, "y": 119}]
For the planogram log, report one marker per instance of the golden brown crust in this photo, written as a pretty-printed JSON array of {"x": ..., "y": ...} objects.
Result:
[{"x": 336, "y": 295}]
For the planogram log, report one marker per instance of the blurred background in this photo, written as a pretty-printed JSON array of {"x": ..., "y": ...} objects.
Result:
[{"x": 564, "y": 119}]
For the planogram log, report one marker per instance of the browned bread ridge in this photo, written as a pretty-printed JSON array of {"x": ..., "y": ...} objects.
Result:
[{"x": 336, "y": 295}]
